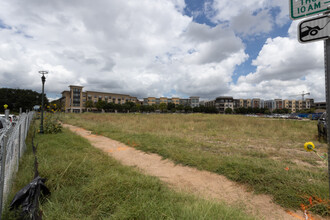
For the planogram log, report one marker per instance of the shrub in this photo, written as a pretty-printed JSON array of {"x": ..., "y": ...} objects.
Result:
[{"x": 52, "y": 126}]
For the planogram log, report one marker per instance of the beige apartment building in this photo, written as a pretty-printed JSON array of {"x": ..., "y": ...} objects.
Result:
[
  {"x": 223, "y": 102},
  {"x": 75, "y": 99},
  {"x": 192, "y": 101},
  {"x": 243, "y": 103},
  {"x": 295, "y": 105}
]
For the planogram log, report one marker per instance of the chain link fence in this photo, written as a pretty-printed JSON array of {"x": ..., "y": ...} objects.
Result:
[{"x": 12, "y": 147}]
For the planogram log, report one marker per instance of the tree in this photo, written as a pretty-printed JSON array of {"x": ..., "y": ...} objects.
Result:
[
  {"x": 118, "y": 107},
  {"x": 100, "y": 105},
  {"x": 89, "y": 104},
  {"x": 211, "y": 110},
  {"x": 171, "y": 106},
  {"x": 20, "y": 98},
  {"x": 162, "y": 107},
  {"x": 241, "y": 110},
  {"x": 128, "y": 106},
  {"x": 187, "y": 109},
  {"x": 110, "y": 106},
  {"x": 267, "y": 112},
  {"x": 228, "y": 111},
  {"x": 196, "y": 109}
]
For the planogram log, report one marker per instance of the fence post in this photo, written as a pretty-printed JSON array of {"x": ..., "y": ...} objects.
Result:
[
  {"x": 7, "y": 114},
  {"x": 3, "y": 153},
  {"x": 19, "y": 146}
]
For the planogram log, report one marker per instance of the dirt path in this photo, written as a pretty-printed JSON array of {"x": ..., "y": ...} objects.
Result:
[{"x": 202, "y": 183}]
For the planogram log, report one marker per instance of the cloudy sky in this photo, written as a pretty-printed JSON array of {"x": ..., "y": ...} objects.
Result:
[{"x": 182, "y": 48}]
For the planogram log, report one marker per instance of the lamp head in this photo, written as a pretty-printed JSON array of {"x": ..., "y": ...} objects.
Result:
[{"x": 43, "y": 72}]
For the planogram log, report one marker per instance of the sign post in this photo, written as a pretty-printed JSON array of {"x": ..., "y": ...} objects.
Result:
[{"x": 312, "y": 30}]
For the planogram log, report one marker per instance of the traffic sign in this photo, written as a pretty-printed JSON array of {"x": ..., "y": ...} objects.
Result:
[
  {"x": 305, "y": 8},
  {"x": 314, "y": 29}
]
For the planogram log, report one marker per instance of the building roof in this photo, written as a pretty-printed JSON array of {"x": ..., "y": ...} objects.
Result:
[{"x": 107, "y": 93}]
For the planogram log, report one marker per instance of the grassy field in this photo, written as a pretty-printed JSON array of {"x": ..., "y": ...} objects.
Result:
[
  {"x": 265, "y": 154},
  {"x": 87, "y": 184}
]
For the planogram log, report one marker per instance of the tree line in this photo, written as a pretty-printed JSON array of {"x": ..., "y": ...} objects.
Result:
[
  {"x": 20, "y": 98},
  {"x": 133, "y": 107},
  {"x": 171, "y": 108}
]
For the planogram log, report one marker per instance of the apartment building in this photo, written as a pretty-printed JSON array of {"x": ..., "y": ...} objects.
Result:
[
  {"x": 221, "y": 103},
  {"x": 270, "y": 104},
  {"x": 243, "y": 103},
  {"x": 297, "y": 105},
  {"x": 192, "y": 101},
  {"x": 257, "y": 103},
  {"x": 75, "y": 99}
]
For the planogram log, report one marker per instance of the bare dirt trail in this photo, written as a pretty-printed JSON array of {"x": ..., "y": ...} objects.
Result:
[{"x": 182, "y": 178}]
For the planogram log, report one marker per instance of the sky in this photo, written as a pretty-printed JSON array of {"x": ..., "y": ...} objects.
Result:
[{"x": 172, "y": 48}]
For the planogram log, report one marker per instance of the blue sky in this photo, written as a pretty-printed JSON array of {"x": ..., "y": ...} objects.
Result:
[{"x": 245, "y": 49}]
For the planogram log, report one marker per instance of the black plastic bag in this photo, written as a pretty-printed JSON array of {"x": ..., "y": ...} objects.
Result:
[{"x": 28, "y": 198}]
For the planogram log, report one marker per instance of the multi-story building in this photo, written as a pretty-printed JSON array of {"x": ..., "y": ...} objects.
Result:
[
  {"x": 236, "y": 103},
  {"x": 193, "y": 101},
  {"x": 75, "y": 99},
  {"x": 176, "y": 100},
  {"x": 278, "y": 104},
  {"x": 184, "y": 102},
  {"x": 310, "y": 103},
  {"x": 293, "y": 105},
  {"x": 270, "y": 104},
  {"x": 221, "y": 103},
  {"x": 320, "y": 105},
  {"x": 256, "y": 103}
]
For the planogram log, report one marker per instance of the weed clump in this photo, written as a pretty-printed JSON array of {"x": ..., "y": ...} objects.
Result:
[{"x": 52, "y": 125}]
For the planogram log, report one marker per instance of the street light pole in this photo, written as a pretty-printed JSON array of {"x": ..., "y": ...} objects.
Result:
[{"x": 43, "y": 79}]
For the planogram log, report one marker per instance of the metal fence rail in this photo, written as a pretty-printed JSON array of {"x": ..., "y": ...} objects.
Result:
[{"x": 12, "y": 147}]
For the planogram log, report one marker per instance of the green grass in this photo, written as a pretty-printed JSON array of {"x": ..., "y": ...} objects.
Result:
[
  {"x": 87, "y": 184},
  {"x": 252, "y": 151}
]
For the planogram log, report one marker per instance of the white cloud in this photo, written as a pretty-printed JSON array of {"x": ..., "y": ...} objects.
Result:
[
  {"x": 285, "y": 68},
  {"x": 149, "y": 48},
  {"x": 248, "y": 17},
  {"x": 138, "y": 47}
]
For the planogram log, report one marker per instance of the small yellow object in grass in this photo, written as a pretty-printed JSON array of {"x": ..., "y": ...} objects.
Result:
[
  {"x": 5, "y": 106},
  {"x": 309, "y": 146}
]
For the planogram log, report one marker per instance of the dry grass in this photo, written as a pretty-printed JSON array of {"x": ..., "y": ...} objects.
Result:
[
  {"x": 87, "y": 184},
  {"x": 281, "y": 139},
  {"x": 254, "y": 151}
]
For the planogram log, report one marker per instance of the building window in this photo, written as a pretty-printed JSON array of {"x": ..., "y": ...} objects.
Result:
[{"x": 76, "y": 97}]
